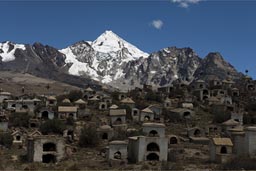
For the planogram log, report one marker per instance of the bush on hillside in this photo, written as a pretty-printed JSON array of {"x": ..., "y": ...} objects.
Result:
[
  {"x": 52, "y": 127},
  {"x": 6, "y": 139},
  {"x": 19, "y": 119},
  {"x": 75, "y": 95},
  {"x": 221, "y": 117},
  {"x": 88, "y": 137},
  {"x": 152, "y": 96}
]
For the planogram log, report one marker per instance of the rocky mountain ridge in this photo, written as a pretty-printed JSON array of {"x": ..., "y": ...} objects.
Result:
[{"x": 111, "y": 60}]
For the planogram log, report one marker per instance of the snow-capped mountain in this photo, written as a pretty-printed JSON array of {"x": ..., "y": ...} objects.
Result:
[
  {"x": 110, "y": 59},
  {"x": 7, "y": 50},
  {"x": 109, "y": 42},
  {"x": 102, "y": 59}
]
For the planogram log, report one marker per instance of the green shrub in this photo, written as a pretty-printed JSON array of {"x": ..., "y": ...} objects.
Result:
[
  {"x": 72, "y": 96},
  {"x": 152, "y": 96},
  {"x": 120, "y": 134},
  {"x": 250, "y": 118},
  {"x": 88, "y": 137},
  {"x": 135, "y": 95},
  {"x": 60, "y": 98},
  {"x": 52, "y": 126},
  {"x": 142, "y": 104},
  {"x": 251, "y": 106},
  {"x": 115, "y": 95},
  {"x": 70, "y": 121},
  {"x": 171, "y": 117},
  {"x": 240, "y": 163},
  {"x": 19, "y": 119},
  {"x": 6, "y": 139},
  {"x": 135, "y": 133},
  {"x": 75, "y": 95},
  {"x": 221, "y": 117}
]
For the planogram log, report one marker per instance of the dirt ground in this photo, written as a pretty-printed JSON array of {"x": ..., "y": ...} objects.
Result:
[
  {"x": 13, "y": 82},
  {"x": 92, "y": 159}
]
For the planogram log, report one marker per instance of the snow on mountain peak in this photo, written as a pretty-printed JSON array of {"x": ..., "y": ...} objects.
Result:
[
  {"x": 7, "y": 50},
  {"x": 109, "y": 42},
  {"x": 103, "y": 59}
]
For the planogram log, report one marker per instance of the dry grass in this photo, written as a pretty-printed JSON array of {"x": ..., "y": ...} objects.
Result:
[{"x": 13, "y": 83}]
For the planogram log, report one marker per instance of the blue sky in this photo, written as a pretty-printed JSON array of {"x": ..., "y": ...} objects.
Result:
[{"x": 228, "y": 27}]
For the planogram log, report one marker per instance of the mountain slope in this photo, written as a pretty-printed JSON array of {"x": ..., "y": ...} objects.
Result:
[
  {"x": 162, "y": 67},
  {"x": 215, "y": 65},
  {"x": 112, "y": 60},
  {"x": 13, "y": 82},
  {"x": 42, "y": 61}
]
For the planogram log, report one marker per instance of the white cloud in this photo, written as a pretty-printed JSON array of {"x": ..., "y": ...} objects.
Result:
[
  {"x": 185, "y": 3},
  {"x": 158, "y": 24}
]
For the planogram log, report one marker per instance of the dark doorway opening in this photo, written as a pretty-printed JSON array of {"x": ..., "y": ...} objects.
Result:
[
  {"x": 70, "y": 134},
  {"x": 25, "y": 106},
  {"x": 45, "y": 114},
  {"x": 250, "y": 87},
  {"x": 32, "y": 125},
  {"x": 173, "y": 140},
  {"x": 153, "y": 147},
  {"x": 223, "y": 150},
  {"x": 71, "y": 115},
  {"x": 197, "y": 133},
  {"x": 135, "y": 112},
  {"x": 186, "y": 114},
  {"x": 146, "y": 118},
  {"x": 153, "y": 133},
  {"x": 205, "y": 97},
  {"x": 103, "y": 106},
  {"x": 49, "y": 158},
  {"x": 18, "y": 137},
  {"x": 205, "y": 92},
  {"x": 49, "y": 147},
  {"x": 104, "y": 136},
  {"x": 235, "y": 94},
  {"x": 51, "y": 102},
  {"x": 152, "y": 156},
  {"x": 117, "y": 155},
  {"x": 118, "y": 121}
]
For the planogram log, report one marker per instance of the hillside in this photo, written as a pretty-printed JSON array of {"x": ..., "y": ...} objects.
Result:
[{"x": 13, "y": 82}]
